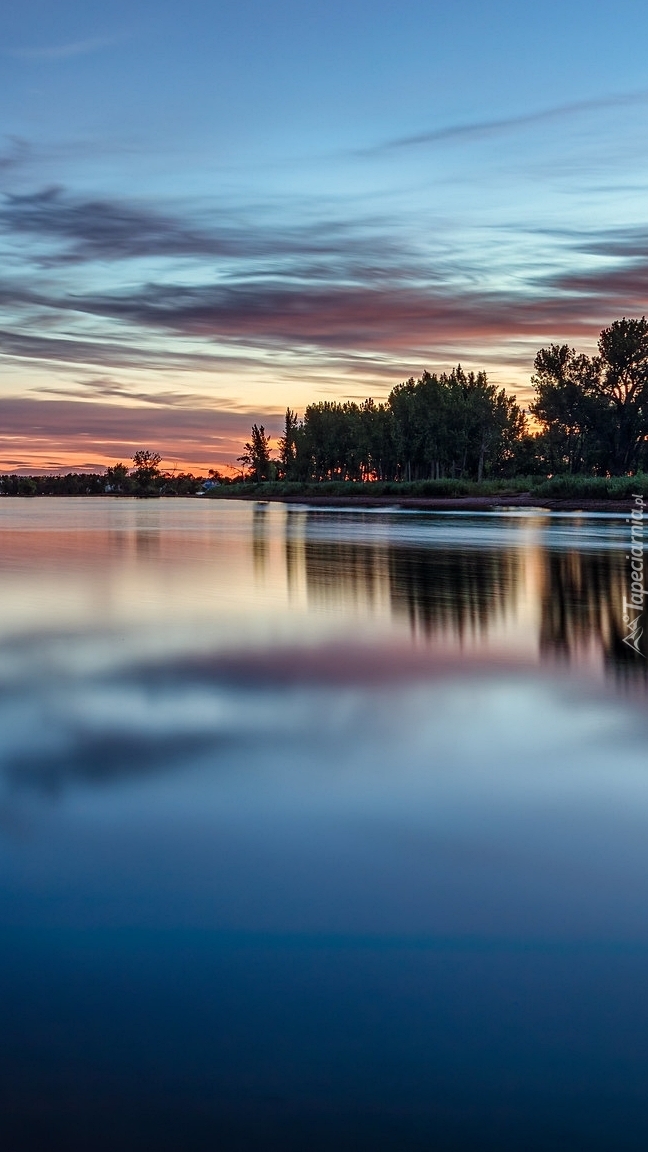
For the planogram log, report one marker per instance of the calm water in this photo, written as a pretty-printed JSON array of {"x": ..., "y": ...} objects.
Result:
[{"x": 320, "y": 830}]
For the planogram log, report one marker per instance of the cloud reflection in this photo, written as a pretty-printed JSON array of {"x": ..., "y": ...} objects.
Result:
[{"x": 177, "y": 633}]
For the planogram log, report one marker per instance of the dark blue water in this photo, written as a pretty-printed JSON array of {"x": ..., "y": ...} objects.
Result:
[{"x": 319, "y": 831}]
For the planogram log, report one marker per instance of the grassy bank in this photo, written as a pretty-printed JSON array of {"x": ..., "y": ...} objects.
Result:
[
  {"x": 592, "y": 487},
  {"x": 568, "y": 488},
  {"x": 380, "y": 488}
]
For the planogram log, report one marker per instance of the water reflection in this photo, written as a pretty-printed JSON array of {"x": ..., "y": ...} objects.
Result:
[
  {"x": 338, "y": 571},
  {"x": 571, "y": 599},
  {"x": 438, "y": 590},
  {"x": 542, "y": 588},
  {"x": 452, "y": 591},
  {"x": 260, "y": 539},
  {"x": 582, "y": 609},
  {"x": 318, "y": 832}
]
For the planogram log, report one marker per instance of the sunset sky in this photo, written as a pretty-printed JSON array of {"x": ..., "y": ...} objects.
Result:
[{"x": 210, "y": 211}]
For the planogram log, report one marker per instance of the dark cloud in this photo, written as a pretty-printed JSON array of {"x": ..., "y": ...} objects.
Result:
[
  {"x": 325, "y": 319},
  {"x": 627, "y": 244},
  {"x": 105, "y": 229},
  {"x": 329, "y": 292},
  {"x": 616, "y": 283},
  {"x": 105, "y": 388},
  {"x": 381, "y": 317},
  {"x": 612, "y": 292},
  {"x": 101, "y": 353},
  {"x": 108, "y": 229},
  {"x": 67, "y": 350}
]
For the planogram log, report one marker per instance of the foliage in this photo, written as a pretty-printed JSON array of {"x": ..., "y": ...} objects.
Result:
[
  {"x": 593, "y": 411},
  {"x": 72, "y": 484},
  {"x": 256, "y": 454},
  {"x": 457, "y": 426},
  {"x": 568, "y": 487},
  {"x": 146, "y": 473},
  {"x": 379, "y": 488},
  {"x": 117, "y": 479},
  {"x": 288, "y": 445},
  {"x": 145, "y": 479}
]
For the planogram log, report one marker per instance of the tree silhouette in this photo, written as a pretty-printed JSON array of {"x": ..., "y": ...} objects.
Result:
[
  {"x": 147, "y": 466},
  {"x": 256, "y": 454}
]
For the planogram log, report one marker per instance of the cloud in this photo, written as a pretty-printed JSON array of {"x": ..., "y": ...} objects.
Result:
[
  {"x": 337, "y": 297},
  {"x": 483, "y": 129},
  {"x": 105, "y": 229},
  {"x": 622, "y": 289},
  {"x": 626, "y": 244},
  {"x": 105, "y": 388},
  {"x": 40, "y": 429},
  {"x": 15, "y": 155},
  {"x": 376, "y": 317},
  {"x": 64, "y": 51},
  {"x": 326, "y": 320},
  {"x": 109, "y": 229},
  {"x": 68, "y": 350},
  {"x": 100, "y": 353}
]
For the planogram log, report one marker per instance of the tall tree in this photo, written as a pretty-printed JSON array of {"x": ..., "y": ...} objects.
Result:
[
  {"x": 256, "y": 454},
  {"x": 147, "y": 467},
  {"x": 569, "y": 408},
  {"x": 594, "y": 410},
  {"x": 622, "y": 385},
  {"x": 288, "y": 446}
]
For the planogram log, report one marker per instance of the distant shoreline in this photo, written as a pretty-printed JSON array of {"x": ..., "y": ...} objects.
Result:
[
  {"x": 495, "y": 503},
  {"x": 433, "y": 503}
]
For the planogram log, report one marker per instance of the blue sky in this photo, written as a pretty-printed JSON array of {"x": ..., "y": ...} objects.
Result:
[{"x": 209, "y": 212}]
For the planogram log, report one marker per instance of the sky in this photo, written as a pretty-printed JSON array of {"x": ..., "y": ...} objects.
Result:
[{"x": 209, "y": 211}]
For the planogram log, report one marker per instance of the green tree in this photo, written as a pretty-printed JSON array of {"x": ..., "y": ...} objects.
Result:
[
  {"x": 453, "y": 425},
  {"x": 117, "y": 478},
  {"x": 147, "y": 467},
  {"x": 622, "y": 386},
  {"x": 594, "y": 410},
  {"x": 569, "y": 408},
  {"x": 288, "y": 446},
  {"x": 256, "y": 455}
]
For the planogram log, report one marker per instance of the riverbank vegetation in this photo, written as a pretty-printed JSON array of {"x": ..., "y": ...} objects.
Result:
[
  {"x": 145, "y": 479},
  {"x": 590, "y": 489},
  {"x": 589, "y": 419},
  {"x": 584, "y": 436}
]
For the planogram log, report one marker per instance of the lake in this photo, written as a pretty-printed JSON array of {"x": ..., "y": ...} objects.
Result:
[{"x": 321, "y": 829}]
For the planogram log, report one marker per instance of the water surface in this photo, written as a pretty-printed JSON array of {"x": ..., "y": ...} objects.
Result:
[{"x": 320, "y": 829}]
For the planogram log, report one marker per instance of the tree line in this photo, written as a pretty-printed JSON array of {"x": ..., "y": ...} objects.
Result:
[
  {"x": 589, "y": 417},
  {"x": 144, "y": 478}
]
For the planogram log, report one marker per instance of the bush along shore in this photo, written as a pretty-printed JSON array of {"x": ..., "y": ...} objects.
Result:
[
  {"x": 568, "y": 492},
  {"x": 144, "y": 479},
  {"x": 96, "y": 484},
  {"x": 585, "y": 493}
]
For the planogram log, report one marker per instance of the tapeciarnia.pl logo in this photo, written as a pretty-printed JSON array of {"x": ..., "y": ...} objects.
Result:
[{"x": 633, "y": 608}]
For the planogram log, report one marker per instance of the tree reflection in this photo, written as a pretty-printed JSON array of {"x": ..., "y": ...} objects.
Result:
[
  {"x": 582, "y": 607},
  {"x": 572, "y": 601},
  {"x": 260, "y": 541},
  {"x": 456, "y": 590},
  {"x": 436, "y": 589},
  {"x": 342, "y": 571}
]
